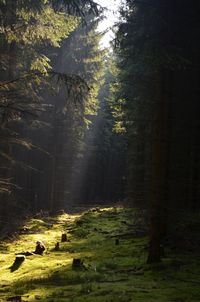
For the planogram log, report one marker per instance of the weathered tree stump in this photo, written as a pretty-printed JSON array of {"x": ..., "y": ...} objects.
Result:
[
  {"x": 117, "y": 241},
  {"x": 64, "y": 237},
  {"x": 77, "y": 263},
  {"x": 57, "y": 246}
]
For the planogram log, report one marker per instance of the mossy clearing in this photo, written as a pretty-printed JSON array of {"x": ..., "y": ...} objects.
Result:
[{"x": 114, "y": 253}]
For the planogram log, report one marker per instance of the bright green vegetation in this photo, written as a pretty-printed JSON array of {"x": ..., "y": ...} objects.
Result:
[{"x": 110, "y": 271}]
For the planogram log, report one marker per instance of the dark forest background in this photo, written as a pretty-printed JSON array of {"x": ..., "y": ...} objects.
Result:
[{"x": 84, "y": 125}]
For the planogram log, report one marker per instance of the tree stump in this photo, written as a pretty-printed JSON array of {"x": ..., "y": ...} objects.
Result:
[
  {"x": 57, "y": 247},
  {"x": 64, "y": 238},
  {"x": 77, "y": 263},
  {"x": 117, "y": 241}
]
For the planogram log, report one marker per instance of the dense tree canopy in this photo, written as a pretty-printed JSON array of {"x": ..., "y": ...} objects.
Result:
[{"x": 35, "y": 65}]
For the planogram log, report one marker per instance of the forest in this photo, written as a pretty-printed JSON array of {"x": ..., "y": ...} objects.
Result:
[{"x": 99, "y": 152}]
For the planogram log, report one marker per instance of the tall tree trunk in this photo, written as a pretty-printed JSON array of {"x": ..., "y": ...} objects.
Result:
[
  {"x": 159, "y": 172},
  {"x": 160, "y": 148}
]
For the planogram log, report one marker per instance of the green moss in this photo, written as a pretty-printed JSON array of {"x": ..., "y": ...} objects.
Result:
[{"x": 110, "y": 272}]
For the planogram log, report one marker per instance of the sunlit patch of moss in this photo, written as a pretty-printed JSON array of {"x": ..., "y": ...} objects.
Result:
[
  {"x": 37, "y": 225},
  {"x": 110, "y": 272}
]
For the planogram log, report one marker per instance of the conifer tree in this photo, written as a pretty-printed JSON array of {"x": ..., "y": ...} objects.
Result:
[
  {"x": 30, "y": 32},
  {"x": 154, "y": 64}
]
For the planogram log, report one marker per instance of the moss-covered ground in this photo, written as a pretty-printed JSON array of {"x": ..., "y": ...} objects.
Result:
[{"x": 113, "y": 249}]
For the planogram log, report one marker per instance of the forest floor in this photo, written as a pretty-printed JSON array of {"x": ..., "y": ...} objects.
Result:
[{"x": 112, "y": 245}]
